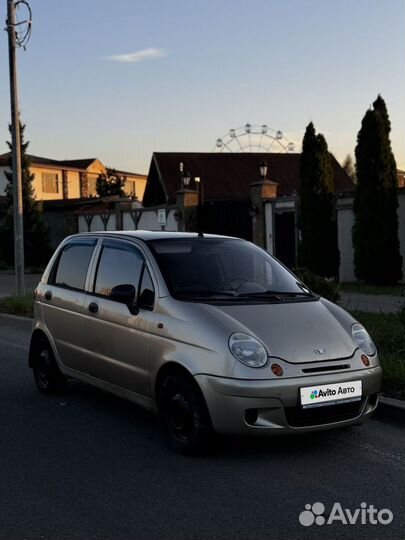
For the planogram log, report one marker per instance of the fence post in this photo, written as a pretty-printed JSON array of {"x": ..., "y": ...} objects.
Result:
[
  {"x": 260, "y": 191},
  {"x": 187, "y": 202}
]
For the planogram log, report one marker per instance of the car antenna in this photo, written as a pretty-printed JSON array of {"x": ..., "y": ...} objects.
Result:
[{"x": 200, "y": 234}]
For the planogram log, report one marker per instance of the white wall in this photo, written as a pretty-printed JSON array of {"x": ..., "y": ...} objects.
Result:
[
  {"x": 97, "y": 223},
  {"x": 345, "y": 224},
  {"x": 268, "y": 213},
  {"x": 148, "y": 221}
]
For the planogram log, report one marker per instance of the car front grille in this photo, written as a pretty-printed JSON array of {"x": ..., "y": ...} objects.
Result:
[
  {"x": 320, "y": 369},
  {"x": 299, "y": 417}
]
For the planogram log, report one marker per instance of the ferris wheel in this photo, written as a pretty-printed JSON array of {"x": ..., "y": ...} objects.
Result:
[{"x": 254, "y": 138}]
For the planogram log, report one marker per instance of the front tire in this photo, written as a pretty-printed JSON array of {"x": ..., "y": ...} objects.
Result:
[
  {"x": 47, "y": 375},
  {"x": 183, "y": 414}
]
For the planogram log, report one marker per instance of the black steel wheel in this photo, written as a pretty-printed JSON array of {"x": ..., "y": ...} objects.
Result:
[
  {"x": 183, "y": 414},
  {"x": 47, "y": 375}
]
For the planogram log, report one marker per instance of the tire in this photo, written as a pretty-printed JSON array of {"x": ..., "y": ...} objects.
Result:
[
  {"x": 47, "y": 375},
  {"x": 183, "y": 415}
]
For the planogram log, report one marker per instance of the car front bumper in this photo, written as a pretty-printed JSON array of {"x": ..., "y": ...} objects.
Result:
[{"x": 241, "y": 406}]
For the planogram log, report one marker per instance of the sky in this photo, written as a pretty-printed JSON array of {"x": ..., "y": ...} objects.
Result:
[{"x": 120, "y": 79}]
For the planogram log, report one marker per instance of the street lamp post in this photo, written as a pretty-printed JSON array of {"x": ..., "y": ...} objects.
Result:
[
  {"x": 186, "y": 180},
  {"x": 185, "y": 177},
  {"x": 263, "y": 169}
]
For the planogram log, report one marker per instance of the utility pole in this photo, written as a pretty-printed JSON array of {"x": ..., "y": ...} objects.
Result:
[{"x": 16, "y": 153}]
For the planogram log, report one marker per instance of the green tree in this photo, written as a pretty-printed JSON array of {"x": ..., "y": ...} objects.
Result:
[
  {"x": 377, "y": 258},
  {"x": 318, "y": 249},
  {"x": 110, "y": 183},
  {"x": 36, "y": 238}
]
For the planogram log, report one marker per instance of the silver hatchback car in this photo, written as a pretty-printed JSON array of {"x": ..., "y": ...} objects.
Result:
[{"x": 211, "y": 332}]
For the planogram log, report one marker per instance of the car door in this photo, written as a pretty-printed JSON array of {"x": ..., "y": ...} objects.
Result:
[
  {"x": 117, "y": 341},
  {"x": 63, "y": 298}
]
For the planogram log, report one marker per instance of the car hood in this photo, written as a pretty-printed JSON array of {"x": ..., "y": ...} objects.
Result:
[{"x": 292, "y": 331}]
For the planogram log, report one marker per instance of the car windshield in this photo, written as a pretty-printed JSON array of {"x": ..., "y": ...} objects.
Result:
[{"x": 204, "y": 268}]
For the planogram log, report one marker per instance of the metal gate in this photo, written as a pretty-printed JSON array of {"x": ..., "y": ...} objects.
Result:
[{"x": 230, "y": 218}]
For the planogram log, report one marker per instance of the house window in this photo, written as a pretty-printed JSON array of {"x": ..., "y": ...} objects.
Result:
[{"x": 50, "y": 183}]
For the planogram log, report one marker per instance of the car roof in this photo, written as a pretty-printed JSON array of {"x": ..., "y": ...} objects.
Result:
[{"x": 149, "y": 235}]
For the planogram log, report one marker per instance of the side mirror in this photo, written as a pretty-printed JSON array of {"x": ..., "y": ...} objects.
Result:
[{"x": 125, "y": 294}]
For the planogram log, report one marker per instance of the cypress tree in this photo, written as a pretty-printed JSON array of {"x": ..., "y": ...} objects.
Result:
[
  {"x": 318, "y": 250},
  {"x": 377, "y": 257},
  {"x": 36, "y": 240}
]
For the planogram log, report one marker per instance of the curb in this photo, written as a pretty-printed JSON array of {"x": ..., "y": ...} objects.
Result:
[
  {"x": 25, "y": 323},
  {"x": 390, "y": 410}
]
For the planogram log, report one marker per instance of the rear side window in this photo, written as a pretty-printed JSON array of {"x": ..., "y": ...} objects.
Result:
[
  {"x": 119, "y": 265},
  {"x": 72, "y": 265}
]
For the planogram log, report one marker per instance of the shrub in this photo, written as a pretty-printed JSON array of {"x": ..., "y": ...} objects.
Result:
[
  {"x": 387, "y": 331},
  {"x": 18, "y": 305}
]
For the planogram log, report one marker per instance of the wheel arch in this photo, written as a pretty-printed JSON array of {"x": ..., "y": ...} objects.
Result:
[
  {"x": 38, "y": 335},
  {"x": 41, "y": 333},
  {"x": 173, "y": 367}
]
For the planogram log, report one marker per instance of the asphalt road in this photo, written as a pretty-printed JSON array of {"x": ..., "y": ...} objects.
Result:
[{"x": 87, "y": 465}]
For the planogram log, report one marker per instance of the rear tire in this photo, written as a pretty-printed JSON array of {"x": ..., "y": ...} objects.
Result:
[
  {"x": 47, "y": 375},
  {"x": 183, "y": 414}
]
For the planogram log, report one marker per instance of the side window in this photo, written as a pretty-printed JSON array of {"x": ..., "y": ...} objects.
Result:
[
  {"x": 146, "y": 291},
  {"x": 118, "y": 265},
  {"x": 71, "y": 267}
]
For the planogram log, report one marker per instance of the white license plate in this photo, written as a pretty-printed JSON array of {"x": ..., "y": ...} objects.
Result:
[{"x": 328, "y": 394}]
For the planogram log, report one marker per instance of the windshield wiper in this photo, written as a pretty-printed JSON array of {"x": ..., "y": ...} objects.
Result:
[
  {"x": 296, "y": 293},
  {"x": 206, "y": 293},
  {"x": 277, "y": 294},
  {"x": 198, "y": 294}
]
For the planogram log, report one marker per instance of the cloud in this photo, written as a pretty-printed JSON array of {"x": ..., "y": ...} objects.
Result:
[{"x": 137, "y": 56}]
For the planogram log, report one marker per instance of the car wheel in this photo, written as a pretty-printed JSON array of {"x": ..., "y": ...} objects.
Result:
[
  {"x": 183, "y": 415},
  {"x": 47, "y": 375}
]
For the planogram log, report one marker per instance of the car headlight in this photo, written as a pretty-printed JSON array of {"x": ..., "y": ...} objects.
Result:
[
  {"x": 363, "y": 340},
  {"x": 248, "y": 350}
]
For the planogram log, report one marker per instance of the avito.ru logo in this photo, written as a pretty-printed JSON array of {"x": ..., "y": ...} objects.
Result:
[{"x": 366, "y": 514}]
